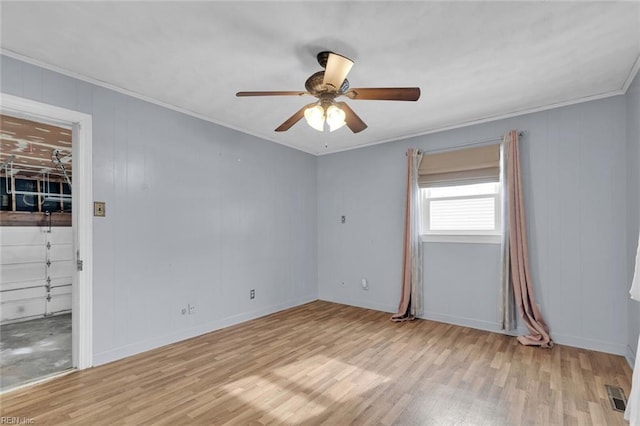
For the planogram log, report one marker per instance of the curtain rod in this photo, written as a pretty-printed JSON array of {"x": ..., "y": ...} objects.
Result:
[{"x": 480, "y": 142}]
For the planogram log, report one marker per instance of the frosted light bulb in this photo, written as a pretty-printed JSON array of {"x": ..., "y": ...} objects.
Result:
[
  {"x": 335, "y": 118},
  {"x": 315, "y": 117}
]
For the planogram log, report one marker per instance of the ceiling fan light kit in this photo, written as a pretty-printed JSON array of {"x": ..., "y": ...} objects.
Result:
[
  {"x": 319, "y": 115},
  {"x": 329, "y": 84}
]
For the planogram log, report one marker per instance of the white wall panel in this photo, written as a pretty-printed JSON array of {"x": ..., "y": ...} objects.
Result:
[
  {"x": 61, "y": 291},
  {"x": 24, "y": 293},
  {"x": 61, "y": 281},
  {"x": 60, "y": 235},
  {"x": 22, "y": 236},
  {"x": 60, "y": 252},
  {"x": 16, "y": 285},
  {"x": 19, "y": 272},
  {"x": 196, "y": 214},
  {"x": 58, "y": 303},
  {"x": 22, "y": 254},
  {"x": 22, "y": 309},
  {"x": 60, "y": 269},
  {"x": 573, "y": 162},
  {"x": 452, "y": 294}
]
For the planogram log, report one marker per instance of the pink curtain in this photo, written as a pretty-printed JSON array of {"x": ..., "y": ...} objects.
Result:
[
  {"x": 411, "y": 297},
  {"x": 518, "y": 262}
]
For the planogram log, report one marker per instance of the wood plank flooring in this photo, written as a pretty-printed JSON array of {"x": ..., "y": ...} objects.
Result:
[{"x": 324, "y": 363}]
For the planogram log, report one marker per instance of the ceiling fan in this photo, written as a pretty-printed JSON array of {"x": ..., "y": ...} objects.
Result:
[{"x": 330, "y": 84}]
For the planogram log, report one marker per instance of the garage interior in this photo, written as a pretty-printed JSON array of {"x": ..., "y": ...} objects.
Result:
[{"x": 36, "y": 251}]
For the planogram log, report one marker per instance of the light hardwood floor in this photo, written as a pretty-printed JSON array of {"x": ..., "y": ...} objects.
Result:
[{"x": 324, "y": 363}]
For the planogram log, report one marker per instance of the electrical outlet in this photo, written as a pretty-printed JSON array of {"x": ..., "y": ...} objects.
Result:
[
  {"x": 192, "y": 309},
  {"x": 252, "y": 294},
  {"x": 365, "y": 284}
]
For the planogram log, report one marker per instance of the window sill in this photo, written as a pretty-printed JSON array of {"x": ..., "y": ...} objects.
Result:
[{"x": 464, "y": 239}]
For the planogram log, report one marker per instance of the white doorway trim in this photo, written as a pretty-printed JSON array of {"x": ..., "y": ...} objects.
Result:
[{"x": 82, "y": 213}]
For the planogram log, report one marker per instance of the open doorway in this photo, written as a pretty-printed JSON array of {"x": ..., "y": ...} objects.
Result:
[
  {"x": 45, "y": 241},
  {"x": 36, "y": 250}
]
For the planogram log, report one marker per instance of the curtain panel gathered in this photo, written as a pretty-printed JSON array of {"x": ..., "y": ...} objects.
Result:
[
  {"x": 489, "y": 163},
  {"x": 411, "y": 298},
  {"x": 517, "y": 286},
  {"x": 507, "y": 305}
]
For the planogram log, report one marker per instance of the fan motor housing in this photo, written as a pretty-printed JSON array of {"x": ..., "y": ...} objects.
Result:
[{"x": 315, "y": 85}]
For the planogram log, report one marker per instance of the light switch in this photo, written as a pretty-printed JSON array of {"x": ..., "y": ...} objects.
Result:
[{"x": 99, "y": 208}]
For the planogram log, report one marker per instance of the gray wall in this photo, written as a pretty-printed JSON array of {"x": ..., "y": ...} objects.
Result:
[
  {"x": 196, "y": 213},
  {"x": 262, "y": 208},
  {"x": 574, "y": 166},
  {"x": 633, "y": 195}
]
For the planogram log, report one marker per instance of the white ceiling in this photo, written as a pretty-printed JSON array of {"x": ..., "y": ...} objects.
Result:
[{"x": 474, "y": 61}]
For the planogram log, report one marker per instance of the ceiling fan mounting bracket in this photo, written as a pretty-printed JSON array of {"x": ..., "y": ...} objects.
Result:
[{"x": 323, "y": 57}]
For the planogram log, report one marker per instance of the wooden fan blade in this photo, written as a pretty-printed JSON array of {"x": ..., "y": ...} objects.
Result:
[
  {"x": 354, "y": 122},
  {"x": 293, "y": 119},
  {"x": 385, "y": 93},
  {"x": 281, "y": 93},
  {"x": 336, "y": 71}
]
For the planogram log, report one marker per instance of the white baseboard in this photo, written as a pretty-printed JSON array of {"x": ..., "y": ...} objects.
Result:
[
  {"x": 591, "y": 344},
  {"x": 561, "y": 339},
  {"x": 461, "y": 321},
  {"x": 492, "y": 327},
  {"x": 156, "y": 342},
  {"x": 139, "y": 347},
  {"x": 362, "y": 304}
]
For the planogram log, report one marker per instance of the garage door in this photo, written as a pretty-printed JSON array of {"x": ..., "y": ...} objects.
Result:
[{"x": 36, "y": 272}]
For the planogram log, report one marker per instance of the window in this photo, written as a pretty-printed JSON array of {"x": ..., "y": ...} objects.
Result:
[
  {"x": 461, "y": 195},
  {"x": 462, "y": 209},
  {"x": 26, "y": 203},
  {"x": 5, "y": 200}
]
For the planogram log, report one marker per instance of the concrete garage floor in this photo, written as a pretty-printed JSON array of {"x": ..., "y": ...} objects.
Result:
[{"x": 34, "y": 349}]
